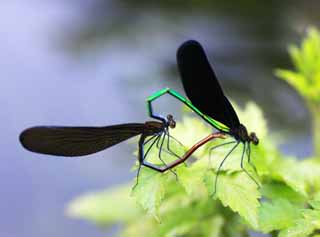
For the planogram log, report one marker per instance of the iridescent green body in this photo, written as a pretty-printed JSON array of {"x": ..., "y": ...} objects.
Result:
[{"x": 211, "y": 121}]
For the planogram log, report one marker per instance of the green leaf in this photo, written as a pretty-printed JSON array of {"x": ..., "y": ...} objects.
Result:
[
  {"x": 302, "y": 176},
  {"x": 234, "y": 227},
  {"x": 107, "y": 207},
  {"x": 277, "y": 215},
  {"x": 310, "y": 168},
  {"x": 238, "y": 192},
  {"x": 141, "y": 226},
  {"x": 181, "y": 215},
  {"x": 150, "y": 190},
  {"x": 278, "y": 190},
  {"x": 306, "y": 59},
  {"x": 315, "y": 204},
  {"x": 298, "y": 222},
  {"x": 179, "y": 221},
  {"x": 307, "y": 224},
  {"x": 191, "y": 179},
  {"x": 191, "y": 130},
  {"x": 313, "y": 217},
  {"x": 181, "y": 229},
  {"x": 293, "y": 174},
  {"x": 302, "y": 228},
  {"x": 295, "y": 79},
  {"x": 214, "y": 226}
]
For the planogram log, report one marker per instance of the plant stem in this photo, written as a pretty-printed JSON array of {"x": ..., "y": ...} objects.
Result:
[{"x": 315, "y": 113}]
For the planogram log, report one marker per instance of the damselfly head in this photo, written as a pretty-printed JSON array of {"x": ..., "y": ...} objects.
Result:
[
  {"x": 170, "y": 121},
  {"x": 241, "y": 134},
  {"x": 253, "y": 138}
]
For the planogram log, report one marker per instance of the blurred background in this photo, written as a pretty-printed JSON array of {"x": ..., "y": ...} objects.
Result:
[{"x": 93, "y": 63}]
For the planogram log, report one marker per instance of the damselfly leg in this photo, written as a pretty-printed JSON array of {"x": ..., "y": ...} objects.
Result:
[
  {"x": 242, "y": 159},
  {"x": 217, "y": 146},
  {"x": 220, "y": 166}
]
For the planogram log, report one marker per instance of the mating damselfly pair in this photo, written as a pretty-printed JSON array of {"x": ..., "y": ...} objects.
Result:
[{"x": 205, "y": 98}]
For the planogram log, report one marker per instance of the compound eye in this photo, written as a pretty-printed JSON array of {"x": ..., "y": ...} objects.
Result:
[
  {"x": 169, "y": 117},
  {"x": 254, "y": 138},
  {"x": 172, "y": 124}
]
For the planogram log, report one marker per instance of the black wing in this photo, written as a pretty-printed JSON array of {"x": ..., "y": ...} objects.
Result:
[
  {"x": 76, "y": 141},
  {"x": 201, "y": 84}
]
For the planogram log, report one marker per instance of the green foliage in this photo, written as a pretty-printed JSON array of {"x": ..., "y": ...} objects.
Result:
[
  {"x": 306, "y": 60},
  {"x": 106, "y": 208},
  {"x": 239, "y": 193},
  {"x": 278, "y": 214},
  {"x": 287, "y": 203},
  {"x": 180, "y": 202},
  {"x": 306, "y": 77},
  {"x": 151, "y": 183},
  {"x": 290, "y": 219}
]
